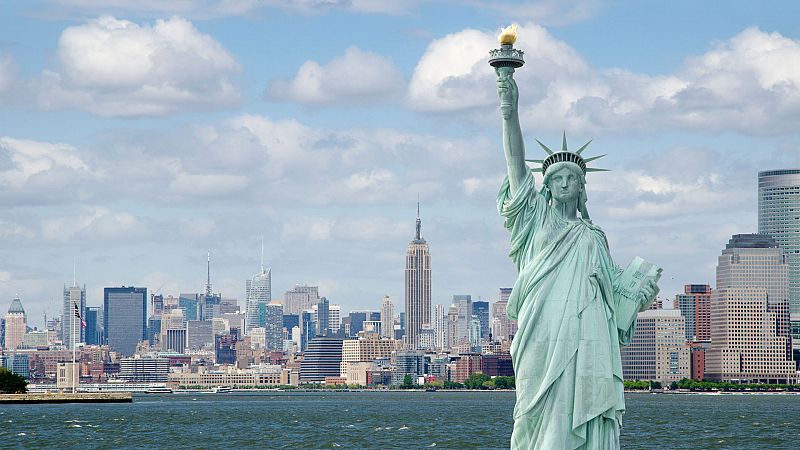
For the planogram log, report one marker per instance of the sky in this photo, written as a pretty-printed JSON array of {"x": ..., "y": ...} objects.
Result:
[{"x": 136, "y": 136}]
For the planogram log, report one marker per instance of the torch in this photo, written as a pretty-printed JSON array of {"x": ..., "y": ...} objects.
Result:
[{"x": 505, "y": 59}]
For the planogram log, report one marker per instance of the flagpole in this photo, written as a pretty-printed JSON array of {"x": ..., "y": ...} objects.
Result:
[{"x": 73, "y": 349}]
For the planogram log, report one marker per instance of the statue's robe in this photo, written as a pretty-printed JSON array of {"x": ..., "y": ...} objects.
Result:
[{"x": 566, "y": 357}]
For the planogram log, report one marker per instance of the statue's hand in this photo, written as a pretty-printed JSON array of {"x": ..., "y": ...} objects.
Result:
[
  {"x": 507, "y": 90},
  {"x": 648, "y": 293}
]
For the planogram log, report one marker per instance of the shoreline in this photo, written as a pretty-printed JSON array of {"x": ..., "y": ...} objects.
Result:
[{"x": 81, "y": 397}]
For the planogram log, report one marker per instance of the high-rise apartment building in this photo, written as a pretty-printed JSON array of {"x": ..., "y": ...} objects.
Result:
[
  {"x": 124, "y": 318},
  {"x": 71, "y": 329},
  {"x": 417, "y": 287},
  {"x": 387, "y": 317},
  {"x": 658, "y": 350},
  {"x": 439, "y": 326},
  {"x": 779, "y": 217},
  {"x": 16, "y": 324},
  {"x": 300, "y": 298},
  {"x": 322, "y": 359},
  {"x": 695, "y": 307},
  {"x": 750, "y": 339}
]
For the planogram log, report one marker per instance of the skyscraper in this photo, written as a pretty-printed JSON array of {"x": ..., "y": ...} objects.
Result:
[
  {"x": 658, "y": 350},
  {"x": 299, "y": 299},
  {"x": 323, "y": 317},
  {"x": 695, "y": 306},
  {"x": 16, "y": 324},
  {"x": 779, "y": 217},
  {"x": 439, "y": 327},
  {"x": 71, "y": 329},
  {"x": 387, "y": 317},
  {"x": 480, "y": 309},
  {"x": 749, "y": 314},
  {"x": 258, "y": 290},
  {"x": 124, "y": 318},
  {"x": 418, "y": 287}
]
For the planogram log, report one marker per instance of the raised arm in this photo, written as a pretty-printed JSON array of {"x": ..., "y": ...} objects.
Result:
[{"x": 513, "y": 145}]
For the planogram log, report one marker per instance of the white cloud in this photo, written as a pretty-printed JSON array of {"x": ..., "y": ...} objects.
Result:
[
  {"x": 207, "y": 185},
  {"x": 8, "y": 70},
  {"x": 95, "y": 223},
  {"x": 114, "y": 67},
  {"x": 357, "y": 77},
  {"x": 749, "y": 83},
  {"x": 33, "y": 171}
]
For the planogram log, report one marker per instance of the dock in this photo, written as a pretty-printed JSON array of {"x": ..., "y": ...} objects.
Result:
[{"x": 81, "y": 397}]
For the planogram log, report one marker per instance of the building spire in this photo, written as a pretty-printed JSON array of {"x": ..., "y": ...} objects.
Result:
[
  {"x": 419, "y": 222},
  {"x": 208, "y": 276}
]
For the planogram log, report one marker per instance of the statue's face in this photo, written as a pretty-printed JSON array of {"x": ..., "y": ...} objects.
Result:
[{"x": 565, "y": 185}]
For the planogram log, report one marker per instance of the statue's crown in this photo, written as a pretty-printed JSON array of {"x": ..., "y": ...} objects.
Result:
[{"x": 566, "y": 156}]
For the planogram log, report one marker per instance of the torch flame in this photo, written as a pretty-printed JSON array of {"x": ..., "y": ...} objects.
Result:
[{"x": 508, "y": 35}]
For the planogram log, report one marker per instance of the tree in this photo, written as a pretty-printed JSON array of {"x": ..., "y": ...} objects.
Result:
[
  {"x": 476, "y": 380},
  {"x": 11, "y": 383},
  {"x": 408, "y": 382}
]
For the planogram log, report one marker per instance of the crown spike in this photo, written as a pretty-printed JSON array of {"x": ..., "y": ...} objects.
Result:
[
  {"x": 594, "y": 169},
  {"x": 590, "y": 159},
  {"x": 544, "y": 147},
  {"x": 539, "y": 161},
  {"x": 583, "y": 147},
  {"x": 564, "y": 142}
]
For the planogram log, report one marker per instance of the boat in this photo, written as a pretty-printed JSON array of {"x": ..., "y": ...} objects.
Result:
[
  {"x": 221, "y": 389},
  {"x": 158, "y": 390}
]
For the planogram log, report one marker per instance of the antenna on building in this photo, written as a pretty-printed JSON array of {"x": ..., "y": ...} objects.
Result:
[
  {"x": 419, "y": 222},
  {"x": 208, "y": 275}
]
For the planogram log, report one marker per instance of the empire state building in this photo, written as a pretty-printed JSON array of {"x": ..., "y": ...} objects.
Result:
[{"x": 418, "y": 287}]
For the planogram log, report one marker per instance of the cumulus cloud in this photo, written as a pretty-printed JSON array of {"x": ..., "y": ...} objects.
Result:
[
  {"x": 95, "y": 223},
  {"x": 749, "y": 83},
  {"x": 118, "y": 68},
  {"x": 357, "y": 77},
  {"x": 207, "y": 185},
  {"x": 40, "y": 172}
]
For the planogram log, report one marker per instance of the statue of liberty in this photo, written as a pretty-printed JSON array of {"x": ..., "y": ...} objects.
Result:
[{"x": 574, "y": 306}]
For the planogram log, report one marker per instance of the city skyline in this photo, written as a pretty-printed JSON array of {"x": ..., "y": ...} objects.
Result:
[{"x": 136, "y": 174}]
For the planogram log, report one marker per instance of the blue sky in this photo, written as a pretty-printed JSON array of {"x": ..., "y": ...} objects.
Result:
[{"x": 135, "y": 137}]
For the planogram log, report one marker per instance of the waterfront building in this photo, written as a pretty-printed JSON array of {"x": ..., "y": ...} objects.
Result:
[
  {"x": 658, "y": 350},
  {"x": 16, "y": 363},
  {"x": 465, "y": 365},
  {"x": 480, "y": 309},
  {"x": 750, "y": 339},
  {"x": 253, "y": 376},
  {"x": 258, "y": 291},
  {"x": 71, "y": 330},
  {"x": 124, "y": 318},
  {"x": 387, "y": 317},
  {"x": 409, "y": 362},
  {"x": 779, "y": 217},
  {"x": 144, "y": 369},
  {"x": 418, "y": 294},
  {"x": 199, "y": 334},
  {"x": 497, "y": 365},
  {"x": 300, "y": 298},
  {"x": 367, "y": 347},
  {"x": 16, "y": 324},
  {"x": 321, "y": 359},
  {"x": 695, "y": 307}
]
